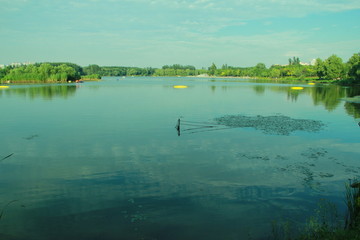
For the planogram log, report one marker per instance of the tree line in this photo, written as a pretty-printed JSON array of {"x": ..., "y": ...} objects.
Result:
[
  {"x": 42, "y": 72},
  {"x": 166, "y": 70},
  {"x": 332, "y": 68}
]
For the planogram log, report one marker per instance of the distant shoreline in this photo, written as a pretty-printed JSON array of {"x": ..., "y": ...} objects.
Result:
[{"x": 262, "y": 79}]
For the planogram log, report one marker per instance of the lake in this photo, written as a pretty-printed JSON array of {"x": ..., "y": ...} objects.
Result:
[{"x": 108, "y": 160}]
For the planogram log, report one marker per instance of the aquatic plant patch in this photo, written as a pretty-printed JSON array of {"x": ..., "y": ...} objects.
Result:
[{"x": 277, "y": 125}]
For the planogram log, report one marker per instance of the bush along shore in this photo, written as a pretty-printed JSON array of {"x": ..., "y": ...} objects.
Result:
[
  {"x": 330, "y": 70},
  {"x": 326, "y": 223}
]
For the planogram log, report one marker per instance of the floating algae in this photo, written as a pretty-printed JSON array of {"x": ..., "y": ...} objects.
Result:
[{"x": 277, "y": 125}]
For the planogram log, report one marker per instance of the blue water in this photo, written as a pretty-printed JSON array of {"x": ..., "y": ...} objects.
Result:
[{"x": 103, "y": 160}]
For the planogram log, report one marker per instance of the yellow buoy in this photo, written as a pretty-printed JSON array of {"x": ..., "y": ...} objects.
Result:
[
  {"x": 180, "y": 86},
  {"x": 311, "y": 83},
  {"x": 4, "y": 86},
  {"x": 297, "y": 88}
]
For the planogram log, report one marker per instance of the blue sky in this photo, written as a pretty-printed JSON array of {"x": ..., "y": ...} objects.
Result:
[{"x": 153, "y": 33}]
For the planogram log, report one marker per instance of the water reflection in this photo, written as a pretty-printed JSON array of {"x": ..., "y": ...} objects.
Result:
[
  {"x": 259, "y": 89},
  {"x": 47, "y": 92},
  {"x": 293, "y": 95},
  {"x": 328, "y": 95},
  {"x": 173, "y": 190},
  {"x": 116, "y": 169},
  {"x": 353, "y": 109},
  {"x": 332, "y": 96}
]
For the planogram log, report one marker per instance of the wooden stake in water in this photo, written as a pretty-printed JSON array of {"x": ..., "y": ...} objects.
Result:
[{"x": 178, "y": 127}]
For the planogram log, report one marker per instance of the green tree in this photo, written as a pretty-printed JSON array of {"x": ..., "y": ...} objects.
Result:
[
  {"x": 2, "y": 72},
  {"x": 170, "y": 72},
  {"x": 320, "y": 68},
  {"x": 67, "y": 71},
  {"x": 260, "y": 70},
  {"x": 212, "y": 69},
  {"x": 334, "y": 67},
  {"x": 354, "y": 67},
  {"x": 44, "y": 72},
  {"x": 294, "y": 61},
  {"x": 92, "y": 69},
  {"x": 274, "y": 72}
]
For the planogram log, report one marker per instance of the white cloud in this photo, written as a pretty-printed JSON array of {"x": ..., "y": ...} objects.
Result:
[
  {"x": 259, "y": 8},
  {"x": 193, "y": 31}
]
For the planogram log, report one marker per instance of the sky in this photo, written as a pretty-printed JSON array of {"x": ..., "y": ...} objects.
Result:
[{"x": 153, "y": 33}]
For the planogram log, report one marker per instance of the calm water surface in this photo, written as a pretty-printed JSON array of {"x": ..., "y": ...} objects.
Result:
[{"x": 103, "y": 160}]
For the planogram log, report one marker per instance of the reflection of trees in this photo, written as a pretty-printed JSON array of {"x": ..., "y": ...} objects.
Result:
[
  {"x": 331, "y": 96},
  {"x": 353, "y": 91},
  {"x": 293, "y": 95},
  {"x": 46, "y": 92},
  {"x": 328, "y": 95},
  {"x": 353, "y": 109},
  {"x": 259, "y": 89}
]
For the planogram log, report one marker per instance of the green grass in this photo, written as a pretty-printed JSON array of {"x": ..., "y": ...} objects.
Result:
[{"x": 326, "y": 223}]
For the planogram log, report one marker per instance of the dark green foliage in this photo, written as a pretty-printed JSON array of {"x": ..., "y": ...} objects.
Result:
[
  {"x": 294, "y": 61},
  {"x": 91, "y": 77},
  {"x": 260, "y": 70},
  {"x": 78, "y": 70},
  {"x": 352, "y": 200},
  {"x": 118, "y": 71},
  {"x": 354, "y": 67},
  {"x": 212, "y": 69},
  {"x": 334, "y": 68},
  {"x": 325, "y": 223},
  {"x": 331, "y": 69},
  {"x": 282, "y": 231},
  {"x": 92, "y": 69},
  {"x": 44, "y": 72},
  {"x": 178, "y": 70},
  {"x": 5, "y": 71},
  {"x": 320, "y": 68},
  {"x": 2, "y": 72},
  {"x": 275, "y": 71},
  {"x": 113, "y": 71},
  {"x": 178, "y": 66}
]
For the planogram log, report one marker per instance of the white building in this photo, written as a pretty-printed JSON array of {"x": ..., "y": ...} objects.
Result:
[{"x": 15, "y": 64}]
